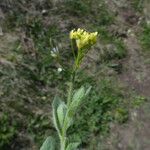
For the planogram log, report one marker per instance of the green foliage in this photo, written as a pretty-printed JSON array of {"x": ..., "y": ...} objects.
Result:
[
  {"x": 63, "y": 114},
  {"x": 38, "y": 126},
  {"x": 98, "y": 109},
  {"x": 138, "y": 101},
  {"x": 43, "y": 60},
  {"x": 77, "y": 7},
  {"x": 41, "y": 35},
  {"x": 77, "y": 100},
  {"x": 7, "y": 131},
  {"x": 121, "y": 115},
  {"x": 120, "y": 51},
  {"x": 104, "y": 16},
  {"x": 145, "y": 38},
  {"x": 114, "y": 47},
  {"x": 14, "y": 20},
  {"x": 49, "y": 144},
  {"x": 39, "y": 41},
  {"x": 58, "y": 118},
  {"x": 106, "y": 37},
  {"x": 137, "y": 5}
]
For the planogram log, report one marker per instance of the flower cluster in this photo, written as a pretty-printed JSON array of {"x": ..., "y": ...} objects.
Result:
[{"x": 83, "y": 38}]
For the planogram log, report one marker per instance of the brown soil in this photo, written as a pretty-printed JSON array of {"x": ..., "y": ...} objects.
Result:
[{"x": 135, "y": 134}]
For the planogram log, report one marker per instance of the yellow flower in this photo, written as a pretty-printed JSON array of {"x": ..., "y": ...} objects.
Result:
[{"x": 83, "y": 38}]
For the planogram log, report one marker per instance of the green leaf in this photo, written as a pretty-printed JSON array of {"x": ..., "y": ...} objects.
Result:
[
  {"x": 68, "y": 122},
  {"x": 79, "y": 94},
  {"x": 57, "y": 101},
  {"x": 49, "y": 144},
  {"x": 61, "y": 112},
  {"x": 76, "y": 100},
  {"x": 72, "y": 146},
  {"x": 77, "y": 97}
]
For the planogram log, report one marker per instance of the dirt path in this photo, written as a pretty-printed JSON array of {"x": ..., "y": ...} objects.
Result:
[
  {"x": 135, "y": 134},
  {"x": 137, "y": 71}
]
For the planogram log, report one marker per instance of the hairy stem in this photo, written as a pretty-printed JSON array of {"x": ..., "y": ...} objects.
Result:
[
  {"x": 71, "y": 85},
  {"x": 63, "y": 142},
  {"x": 63, "y": 137}
]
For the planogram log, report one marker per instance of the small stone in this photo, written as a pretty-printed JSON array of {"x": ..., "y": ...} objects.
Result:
[
  {"x": 125, "y": 40},
  {"x": 132, "y": 34},
  {"x": 129, "y": 31},
  {"x": 148, "y": 22},
  {"x": 44, "y": 11},
  {"x": 43, "y": 97},
  {"x": 59, "y": 69},
  {"x": 135, "y": 114},
  {"x": 120, "y": 145}
]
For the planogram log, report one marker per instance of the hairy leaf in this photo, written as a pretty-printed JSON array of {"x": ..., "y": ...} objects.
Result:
[
  {"x": 61, "y": 112},
  {"x": 76, "y": 100},
  {"x": 57, "y": 101},
  {"x": 79, "y": 95},
  {"x": 49, "y": 144}
]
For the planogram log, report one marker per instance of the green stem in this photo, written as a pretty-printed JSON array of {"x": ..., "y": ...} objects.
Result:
[
  {"x": 78, "y": 59},
  {"x": 63, "y": 142},
  {"x": 63, "y": 137},
  {"x": 70, "y": 91},
  {"x": 64, "y": 129},
  {"x": 72, "y": 48}
]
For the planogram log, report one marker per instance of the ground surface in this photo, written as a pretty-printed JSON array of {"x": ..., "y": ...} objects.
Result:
[
  {"x": 134, "y": 134},
  {"x": 135, "y": 75}
]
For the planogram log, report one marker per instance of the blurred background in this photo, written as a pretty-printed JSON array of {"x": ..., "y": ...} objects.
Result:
[{"x": 116, "y": 115}]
